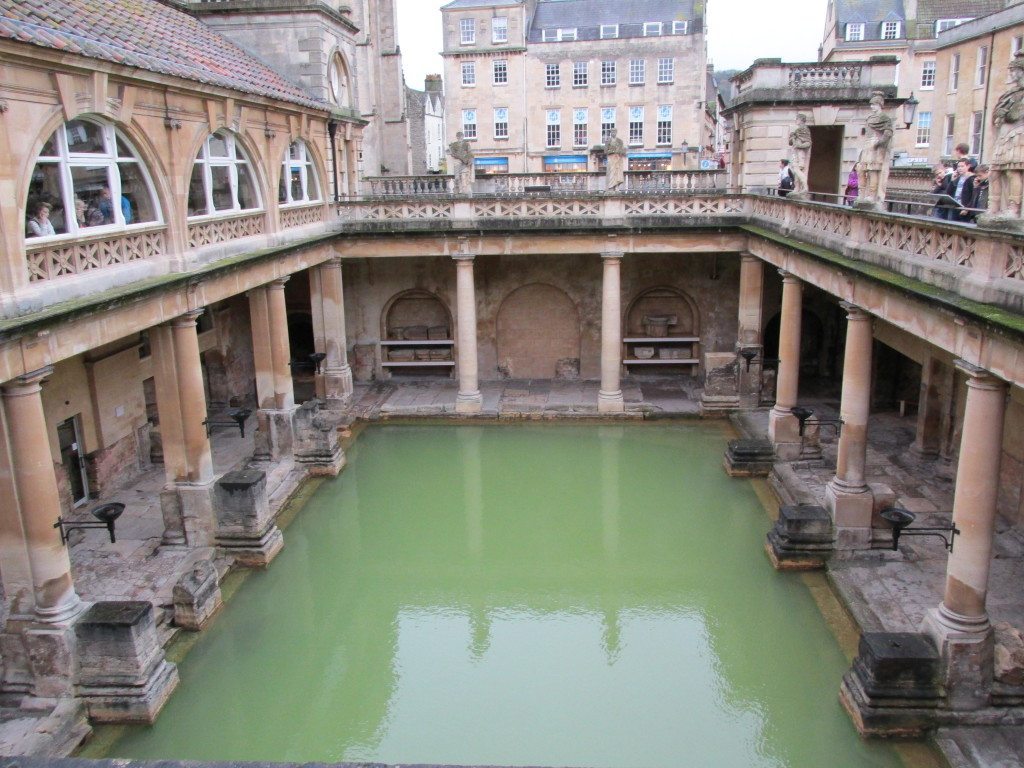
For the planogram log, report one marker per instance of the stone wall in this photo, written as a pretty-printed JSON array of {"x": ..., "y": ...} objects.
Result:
[
  {"x": 114, "y": 466},
  {"x": 534, "y": 311}
]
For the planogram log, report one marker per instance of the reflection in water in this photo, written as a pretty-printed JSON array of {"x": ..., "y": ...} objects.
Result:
[{"x": 524, "y": 595}]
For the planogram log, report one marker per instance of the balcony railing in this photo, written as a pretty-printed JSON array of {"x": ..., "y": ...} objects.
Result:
[{"x": 549, "y": 183}]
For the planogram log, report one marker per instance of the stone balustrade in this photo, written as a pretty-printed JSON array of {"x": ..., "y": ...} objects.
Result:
[
  {"x": 62, "y": 258},
  {"x": 837, "y": 75},
  {"x": 798, "y": 81},
  {"x": 548, "y": 183},
  {"x": 982, "y": 265}
]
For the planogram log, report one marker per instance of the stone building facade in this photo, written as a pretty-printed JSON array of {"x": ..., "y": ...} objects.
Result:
[
  {"x": 426, "y": 126},
  {"x": 907, "y": 29},
  {"x": 537, "y": 85},
  {"x": 343, "y": 54}
]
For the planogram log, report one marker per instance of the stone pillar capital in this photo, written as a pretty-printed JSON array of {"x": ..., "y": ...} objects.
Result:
[
  {"x": 277, "y": 284},
  {"x": 27, "y": 383},
  {"x": 748, "y": 256},
  {"x": 188, "y": 319},
  {"x": 789, "y": 277},
  {"x": 463, "y": 258},
  {"x": 979, "y": 378},
  {"x": 332, "y": 263},
  {"x": 853, "y": 312},
  {"x": 612, "y": 256}
]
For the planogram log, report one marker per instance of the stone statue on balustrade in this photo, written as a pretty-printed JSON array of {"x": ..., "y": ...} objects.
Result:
[
  {"x": 800, "y": 141},
  {"x": 615, "y": 170},
  {"x": 1006, "y": 185},
  {"x": 874, "y": 157},
  {"x": 462, "y": 168}
]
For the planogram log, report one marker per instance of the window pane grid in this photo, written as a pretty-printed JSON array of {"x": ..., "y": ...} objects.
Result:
[
  {"x": 580, "y": 74},
  {"x": 928, "y": 74},
  {"x": 637, "y": 71},
  {"x": 924, "y": 129},
  {"x": 552, "y": 76},
  {"x": 607, "y": 73},
  {"x": 500, "y": 71},
  {"x": 666, "y": 70}
]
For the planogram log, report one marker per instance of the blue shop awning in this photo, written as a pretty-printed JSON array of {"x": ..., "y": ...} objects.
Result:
[
  {"x": 485, "y": 161},
  {"x": 564, "y": 159},
  {"x": 650, "y": 155}
]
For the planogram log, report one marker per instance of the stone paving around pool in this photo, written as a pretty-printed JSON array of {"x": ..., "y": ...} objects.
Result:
[{"x": 883, "y": 590}]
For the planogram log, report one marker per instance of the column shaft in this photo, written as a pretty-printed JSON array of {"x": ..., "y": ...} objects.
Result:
[
  {"x": 748, "y": 335},
  {"x": 974, "y": 501},
  {"x": 38, "y": 498},
  {"x": 856, "y": 402},
  {"x": 337, "y": 373},
  {"x": 783, "y": 429},
  {"x": 610, "y": 396},
  {"x": 469, "y": 399},
  {"x": 263, "y": 361},
  {"x": 788, "y": 383},
  {"x": 168, "y": 403},
  {"x": 198, "y": 456},
  {"x": 280, "y": 351}
]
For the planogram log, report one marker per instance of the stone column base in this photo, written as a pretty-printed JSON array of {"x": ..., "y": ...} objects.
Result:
[
  {"x": 188, "y": 515},
  {"x": 274, "y": 434},
  {"x": 748, "y": 458},
  {"x": 784, "y": 432},
  {"x": 469, "y": 402},
  {"x": 123, "y": 675},
  {"x": 337, "y": 387},
  {"x": 50, "y": 653},
  {"x": 610, "y": 402},
  {"x": 801, "y": 539},
  {"x": 317, "y": 445},
  {"x": 967, "y": 650},
  {"x": 1003, "y": 222},
  {"x": 851, "y": 512},
  {"x": 197, "y": 597},
  {"x": 245, "y": 528},
  {"x": 892, "y": 689}
]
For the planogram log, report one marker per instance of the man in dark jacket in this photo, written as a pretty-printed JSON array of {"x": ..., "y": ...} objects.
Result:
[
  {"x": 980, "y": 201},
  {"x": 961, "y": 189}
]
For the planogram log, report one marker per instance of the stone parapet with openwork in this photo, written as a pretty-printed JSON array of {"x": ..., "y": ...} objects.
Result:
[
  {"x": 222, "y": 230},
  {"x": 65, "y": 258}
]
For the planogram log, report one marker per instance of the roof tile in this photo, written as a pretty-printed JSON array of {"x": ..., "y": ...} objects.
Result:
[{"x": 148, "y": 35}]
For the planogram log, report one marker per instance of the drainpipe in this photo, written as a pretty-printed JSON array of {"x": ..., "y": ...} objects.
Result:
[{"x": 332, "y": 130}]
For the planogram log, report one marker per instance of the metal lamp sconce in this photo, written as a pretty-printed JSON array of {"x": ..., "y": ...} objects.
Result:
[
  {"x": 803, "y": 414},
  {"x": 748, "y": 354},
  {"x": 900, "y": 518},
  {"x": 105, "y": 515},
  {"x": 318, "y": 359}
]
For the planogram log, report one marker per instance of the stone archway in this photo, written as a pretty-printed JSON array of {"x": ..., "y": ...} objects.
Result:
[{"x": 538, "y": 334}]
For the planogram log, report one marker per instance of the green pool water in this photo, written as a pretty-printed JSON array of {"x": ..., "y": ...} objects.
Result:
[{"x": 583, "y": 595}]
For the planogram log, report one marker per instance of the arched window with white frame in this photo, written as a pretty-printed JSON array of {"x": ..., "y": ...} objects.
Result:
[
  {"x": 88, "y": 179},
  {"x": 339, "y": 81},
  {"x": 299, "y": 181},
  {"x": 222, "y": 179}
]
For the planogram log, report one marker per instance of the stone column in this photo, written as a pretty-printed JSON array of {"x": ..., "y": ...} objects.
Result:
[
  {"x": 748, "y": 337},
  {"x": 280, "y": 351},
  {"x": 934, "y": 391},
  {"x": 847, "y": 496},
  {"x": 259, "y": 319},
  {"x": 960, "y": 625},
  {"x": 783, "y": 428},
  {"x": 38, "y": 497},
  {"x": 609, "y": 399},
  {"x": 198, "y": 457},
  {"x": 469, "y": 399},
  {"x": 336, "y": 371}
]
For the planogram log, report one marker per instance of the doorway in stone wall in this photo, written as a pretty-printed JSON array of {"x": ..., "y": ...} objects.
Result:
[
  {"x": 823, "y": 177},
  {"x": 72, "y": 456},
  {"x": 538, "y": 334}
]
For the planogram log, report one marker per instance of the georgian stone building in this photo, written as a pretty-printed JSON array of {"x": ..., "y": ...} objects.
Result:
[
  {"x": 907, "y": 29},
  {"x": 537, "y": 85}
]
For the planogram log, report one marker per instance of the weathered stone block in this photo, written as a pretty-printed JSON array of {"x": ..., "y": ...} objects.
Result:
[
  {"x": 893, "y": 687},
  {"x": 273, "y": 439},
  {"x": 123, "y": 675},
  {"x": 317, "y": 445},
  {"x": 801, "y": 539},
  {"x": 749, "y": 458},
  {"x": 197, "y": 596},
  {"x": 245, "y": 527},
  {"x": 720, "y": 382}
]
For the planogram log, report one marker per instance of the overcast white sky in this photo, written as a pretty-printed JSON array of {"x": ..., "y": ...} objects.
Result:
[{"x": 739, "y": 31}]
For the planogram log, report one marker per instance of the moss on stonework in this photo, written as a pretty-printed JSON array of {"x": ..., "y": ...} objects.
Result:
[{"x": 996, "y": 317}]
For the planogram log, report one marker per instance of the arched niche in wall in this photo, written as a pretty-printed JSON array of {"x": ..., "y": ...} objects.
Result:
[
  {"x": 668, "y": 308},
  {"x": 416, "y": 335},
  {"x": 538, "y": 334},
  {"x": 339, "y": 82}
]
